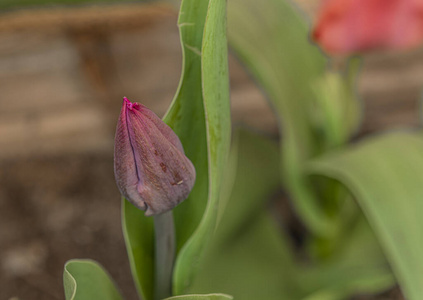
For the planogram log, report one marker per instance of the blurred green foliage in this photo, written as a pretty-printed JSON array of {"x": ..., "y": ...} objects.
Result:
[{"x": 252, "y": 256}]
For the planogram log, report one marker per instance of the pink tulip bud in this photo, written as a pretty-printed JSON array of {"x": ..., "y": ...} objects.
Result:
[
  {"x": 151, "y": 169},
  {"x": 349, "y": 26}
]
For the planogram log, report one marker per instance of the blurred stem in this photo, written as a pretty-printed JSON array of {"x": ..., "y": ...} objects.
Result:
[{"x": 164, "y": 254}]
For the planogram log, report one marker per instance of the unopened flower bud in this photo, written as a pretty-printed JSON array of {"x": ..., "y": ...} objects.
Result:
[{"x": 151, "y": 168}]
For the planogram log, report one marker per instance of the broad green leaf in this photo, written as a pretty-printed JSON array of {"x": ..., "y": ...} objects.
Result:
[
  {"x": 204, "y": 143},
  {"x": 202, "y": 297},
  {"x": 271, "y": 39},
  {"x": 187, "y": 119},
  {"x": 385, "y": 176},
  {"x": 248, "y": 258},
  {"x": 251, "y": 257},
  {"x": 215, "y": 92},
  {"x": 85, "y": 279}
]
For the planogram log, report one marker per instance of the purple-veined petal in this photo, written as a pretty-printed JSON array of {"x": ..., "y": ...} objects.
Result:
[{"x": 151, "y": 168}]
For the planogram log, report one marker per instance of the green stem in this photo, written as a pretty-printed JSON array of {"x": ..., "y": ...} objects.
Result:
[{"x": 164, "y": 254}]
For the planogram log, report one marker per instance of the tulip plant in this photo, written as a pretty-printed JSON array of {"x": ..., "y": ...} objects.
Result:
[{"x": 200, "y": 214}]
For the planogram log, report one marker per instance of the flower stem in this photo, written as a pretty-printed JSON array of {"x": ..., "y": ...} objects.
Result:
[{"x": 164, "y": 254}]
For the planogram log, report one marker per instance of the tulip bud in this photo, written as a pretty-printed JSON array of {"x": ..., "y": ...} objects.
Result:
[{"x": 151, "y": 168}]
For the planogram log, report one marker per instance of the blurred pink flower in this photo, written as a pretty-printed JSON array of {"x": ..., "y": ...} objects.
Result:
[
  {"x": 349, "y": 26},
  {"x": 151, "y": 169}
]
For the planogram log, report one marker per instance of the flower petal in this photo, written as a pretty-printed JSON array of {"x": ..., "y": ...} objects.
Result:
[{"x": 154, "y": 173}]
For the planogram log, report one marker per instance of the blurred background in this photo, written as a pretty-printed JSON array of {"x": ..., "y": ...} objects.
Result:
[{"x": 63, "y": 72}]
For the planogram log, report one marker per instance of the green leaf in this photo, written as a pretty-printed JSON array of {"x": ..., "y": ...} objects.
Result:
[
  {"x": 215, "y": 95},
  {"x": 186, "y": 117},
  {"x": 385, "y": 176},
  {"x": 247, "y": 258},
  {"x": 85, "y": 279},
  {"x": 202, "y": 297},
  {"x": 251, "y": 257},
  {"x": 205, "y": 141},
  {"x": 271, "y": 39}
]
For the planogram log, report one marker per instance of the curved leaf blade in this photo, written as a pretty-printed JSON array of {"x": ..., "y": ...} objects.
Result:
[
  {"x": 215, "y": 91},
  {"x": 271, "y": 39},
  {"x": 250, "y": 251},
  {"x": 85, "y": 279},
  {"x": 186, "y": 117},
  {"x": 385, "y": 176}
]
